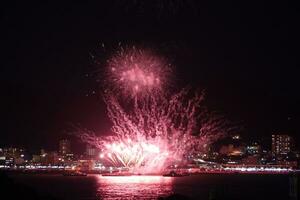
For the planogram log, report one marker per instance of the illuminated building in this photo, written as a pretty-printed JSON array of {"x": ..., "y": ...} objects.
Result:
[
  {"x": 12, "y": 156},
  {"x": 64, "y": 147},
  {"x": 253, "y": 148},
  {"x": 12, "y": 152},
  {"x": 36, "y": 158},
  {"x": 91, "y": 151},
  {"x": 43, "y": 152},
  {"x": 86, "y": 165},
  {"x": 2, "y": 160},
  {"x": 281, "y": 144},
  {"x": 69, "y": 157}
]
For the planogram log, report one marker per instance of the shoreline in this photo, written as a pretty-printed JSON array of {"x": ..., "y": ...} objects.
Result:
[{"x": 61, "y": 172}]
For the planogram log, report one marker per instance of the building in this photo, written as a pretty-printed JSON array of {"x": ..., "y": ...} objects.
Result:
[
  {"x": 64, "y": 147},
  {"x": 12, "y": 152},
  {"x": 36, "y": 159},
  {"x": 12, "y": 156},
  {"x": 91, "y": 151},
  {"x": 281, "y": 144},
  {"x": 253, "y": 148},
  {"x": 86, "y": 165}
]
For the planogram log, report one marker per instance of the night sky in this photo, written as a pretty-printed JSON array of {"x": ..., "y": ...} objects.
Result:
[{"x": 243, "y": 55}]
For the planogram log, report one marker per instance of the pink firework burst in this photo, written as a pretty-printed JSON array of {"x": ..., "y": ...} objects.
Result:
[
  {"x": 135, "y": 72},
  {"x": 154, "y": 129}
]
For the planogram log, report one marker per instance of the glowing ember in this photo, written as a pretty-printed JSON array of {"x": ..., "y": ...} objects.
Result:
[{"x": 155, "y": 130}]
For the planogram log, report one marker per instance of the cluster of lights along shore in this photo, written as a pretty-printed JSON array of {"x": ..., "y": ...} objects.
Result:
[{"x": 93, "y": 161}]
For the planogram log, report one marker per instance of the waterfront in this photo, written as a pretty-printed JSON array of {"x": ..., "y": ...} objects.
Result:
[{"x": 203, "y": 186}]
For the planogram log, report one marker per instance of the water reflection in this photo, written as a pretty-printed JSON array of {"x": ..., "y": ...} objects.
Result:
[{"x": 134, "y": 187}]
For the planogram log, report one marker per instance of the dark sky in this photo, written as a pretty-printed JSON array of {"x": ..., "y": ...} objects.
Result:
[{"x": 244, "y": 55}]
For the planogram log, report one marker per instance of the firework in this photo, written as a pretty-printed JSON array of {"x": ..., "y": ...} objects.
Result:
[
  {"x": 157, "y": 130},
  {"x": 137, "y": 72}
]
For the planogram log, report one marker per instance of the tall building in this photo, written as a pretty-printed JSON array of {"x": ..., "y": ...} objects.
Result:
[
  {"x": 281, "y": 144},
  {"x": 91, "y": 151},
  {"x": 64, "y": 147}
]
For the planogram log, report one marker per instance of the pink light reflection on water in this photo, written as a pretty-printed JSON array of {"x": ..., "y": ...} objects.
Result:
[{"x": 134, "y": 187}]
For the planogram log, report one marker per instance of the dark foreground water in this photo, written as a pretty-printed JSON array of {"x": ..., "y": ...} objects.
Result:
[{"x": 205, "y": 186}]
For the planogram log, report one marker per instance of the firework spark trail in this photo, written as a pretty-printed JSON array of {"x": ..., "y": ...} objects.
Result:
[
  {"x": 152, "y": 129},
  {"x": 157, "y": 132}
]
